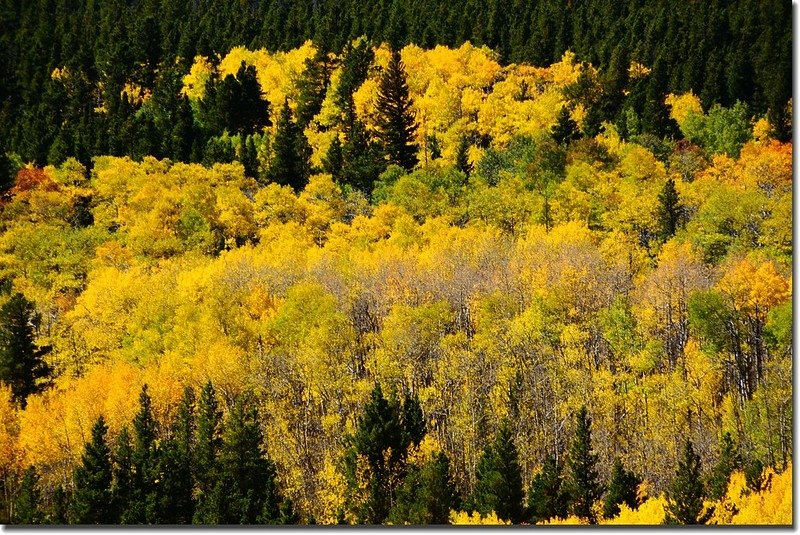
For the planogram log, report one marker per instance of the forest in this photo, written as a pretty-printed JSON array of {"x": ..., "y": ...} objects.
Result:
[{"x": 283, "y": 263}]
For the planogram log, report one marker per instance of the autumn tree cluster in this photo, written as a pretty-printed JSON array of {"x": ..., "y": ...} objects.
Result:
[{"x": 426, "y": 287}]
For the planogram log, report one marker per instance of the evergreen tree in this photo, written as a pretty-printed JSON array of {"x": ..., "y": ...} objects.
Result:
[
  {"x": 362, "y": 159},
  {"x": 208, "y": 442},
  {"x": 122, "y": 472},
  {"x": 685, "y": 495},
  {"x": 291, "y": 152},
  {"x": 462, "y": 156},
  {"x": 669, "y": 211},
  {"x": 141, "y": 506},
  {"x": 313, "y": 85},
  {"x": 721, "y": 474},
  {"x": 175, "y": 503},
  {"x": 26, "y": 507},
  {"x": 546, "y": 496},
  {"x": 379, "y": 441},
  {"x": 91, "y": 500},
  {"x": 498, "y": 485},
  {"x": 582, "y": 480},
  {"x": 566, "y": 129},
  {"x": 395, "y": 119},
  {"x": 333, "y": 161},
  {"x": 58, "y": 512},
  {"x": 246, "y": 491},
  {"x": 6, "y": 170},
  {"x": 622, "y": 488},
  {"x": 412, "y": 421},
  {"x": 357, "y": 58},
  {"x": 427, "y": 494},
  {"x": 22, "y": 364}
]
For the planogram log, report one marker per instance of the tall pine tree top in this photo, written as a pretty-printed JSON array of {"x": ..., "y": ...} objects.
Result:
[
  {"x": 499, "y": 478},
  {"x": 686, "y": 494},
  {"x": 395, "y": 120},
  {"x": 582, "y": 479},
  {"x": 91, "y": 500}
]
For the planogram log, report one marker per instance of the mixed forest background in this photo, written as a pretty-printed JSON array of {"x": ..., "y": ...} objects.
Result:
[{"x": 395, "y": 262}]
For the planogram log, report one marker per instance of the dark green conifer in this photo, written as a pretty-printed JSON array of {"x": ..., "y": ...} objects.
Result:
[
  {"x": 582, "y": 482},
  {"x": 669, "y": 211},
  {"x": 498, "y": 485},
  {"x": 26, "y": 507},
  {"x": 546, "y": 496},
  {"x": 91, "y": 500},
  {"x": 395, "y": 118},
  {"x": 291, "y": 151},
  {"x": 22, "y": 364},
  {"x": 622, "y": 488},
  {"x": 727, "y": 463},
  {"x": 427, "y": 494},
  {"x": 686, "y": 494},
  {"x": 208, "y": 441},
  {"x": 462, "y": 156}
]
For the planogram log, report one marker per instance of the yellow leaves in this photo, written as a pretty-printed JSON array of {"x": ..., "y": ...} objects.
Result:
[
  {"x": 194, "y": 83},
  {"x": 650, "y": 513},
  {"x": 755, "y": 287},
  {"x": 566, "y": 71},
  {"x": 463, "y": 518},
  {"x": 762, "y": 130},
  {"x": 11, "y": 455},
  {"x": 637, "y": 70},
  {"x": 682, "y": 106},
  {"x": 772, "y": 505},
  {"x": 571, "y": 520}
]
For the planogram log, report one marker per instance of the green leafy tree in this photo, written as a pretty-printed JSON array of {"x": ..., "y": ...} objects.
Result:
[
  {"x": 22, "y": 364},
  {"x": 498, "y": 485},
  {"x": 395, "y": 118},
  {"x": 546, "y": 495},
  {"x": 622, "y": 488},
  {"x": 91, "y": 500},
  {"x": 582, "y": 482},
  {"x": 686, "y": 494}
]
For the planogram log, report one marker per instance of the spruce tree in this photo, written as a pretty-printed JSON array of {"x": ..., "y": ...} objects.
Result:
[
  {"x": 582, "y": 480},
  {"x": 395, "y": 118},
  {"x": 686, "y": 494},
  {"x": 357, "y": 58},
  {"x": 669, "y": 211},
  {"x": 313, "y": 85},
  {"x": 379, "y": 440},
  {"x": 6, "y": 170},
  {"x": 462, "y": 156},
  {"x": 174, "y": 490},
  {"x": 122, "y": 472},
  {"x": 362, "y": 161},
  {"x": 246, "y": 490},
  {"x": 26, "y": 507},
  {"x": 58, "y": 512},
  {"x": 333, "y": 161},
  {"x": 290, "y": 153},
  {"x": 727, "y": 463},
  {"x": 141, "y": 506},
  {"x": 622, "y": 488},
  {"x": 91, "y": 499},
  {"x": 427, "y": 494},
  {"x": 22, "y": 364},
  {"x": 208, "y": 441},
  {"x": 498, "y": 485},
  {"x": 546, "y": 496},
  {"x": 566, "y": 129},
  {"x": 412, "y": 421}
]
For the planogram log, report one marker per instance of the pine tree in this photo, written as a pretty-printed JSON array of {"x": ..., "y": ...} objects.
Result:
[
  {"x": 313, "y": 85},
  {"x": 727, "y": 463},
  {"x": 122, "y": 472},
  {"x": 246, "y": 490},
  {"x": 462, "y": 156},
  {"x": 356, "y": 60},
  {"x": 546, "y": 496},
  {"x": 26, "y": 507},
  {"x": 362, "y": 161},
  {"x": 582, "y": 480},
  {"x": 622, "y": 488},
  {"x": 427, "y": 494},
  {"x": 91, "y": 500},
  {"x": 379, "y": 440},
  {"x": 6, "y": 170},
  {"x": 412, "y": 421},
  {"x": 333, "y": 161},
  {"x": 175, "y": 503},
  {"x": 58, "y": 512},
  {"x": 685, "y": 495},
  {"x": 141, "y": 506},
  {"x": 395, "y": 118},
  {"x": 498, "y": 485},
  {"x": 669, "y": 211},
  {"x": 291, "y": 152},
  {"x": 208, "y": 442},
  {"x": 566, "y": 129},
  {"x": 22, "y": 364}
]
